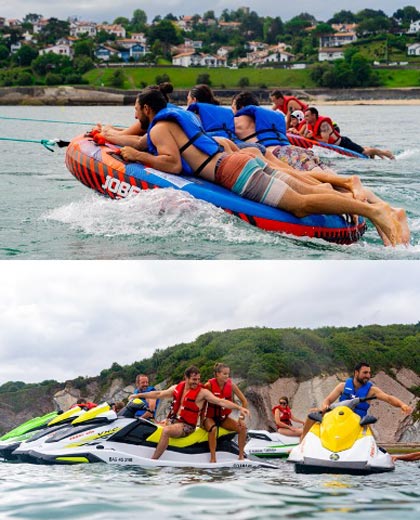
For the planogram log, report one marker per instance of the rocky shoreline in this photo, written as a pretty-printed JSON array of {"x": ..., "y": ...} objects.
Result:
[
  {"x": 85, "y": 96},
  {"x": 393, "y": 427}
]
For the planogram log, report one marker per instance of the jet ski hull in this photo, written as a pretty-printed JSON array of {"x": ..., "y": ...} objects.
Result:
[{"x": 264, "y": 444}]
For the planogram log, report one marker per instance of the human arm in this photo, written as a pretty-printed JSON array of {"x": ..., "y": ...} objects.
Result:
[
  {"x": 390, "y": 399},
  {"x": 168, "y": 158},
  {"x": 155, "y": 394},
  {"x": 241, "y": 397},
  {"x": 332, "y": 396},
  {"x": 295, "y": 419},
  {"x": 211, "y": 398}
]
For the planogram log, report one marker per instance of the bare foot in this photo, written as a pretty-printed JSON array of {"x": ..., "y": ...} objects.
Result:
[
  {"x": 355, "y": 186},
  {"x": 401, "y": 217},
  {"x": 385, "y": 224},
  {"x": 213, "y": 460}
]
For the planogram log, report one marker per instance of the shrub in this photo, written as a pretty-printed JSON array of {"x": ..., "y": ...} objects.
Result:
[
  {"x": 243, "y": 82},
  {"x": 203, "y": 79},
  {"x": 53, "y": 79},
  {"x": 162, "y": 78}
]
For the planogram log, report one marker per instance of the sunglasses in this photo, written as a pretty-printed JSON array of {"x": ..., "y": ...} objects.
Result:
[{"x": 283, "y": 402}]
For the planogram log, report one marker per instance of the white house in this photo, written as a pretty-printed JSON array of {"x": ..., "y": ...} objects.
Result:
[
  {"x": 194, "y": 59},
  {"x": 330, "y": 54},
  {"x": 413, "y": 49},
  {"x": 62, "y": 49},
  {"x": 414, "y": 27},
  {"x": 116, "y": 29},
  {"x": 79, "y": 28}
]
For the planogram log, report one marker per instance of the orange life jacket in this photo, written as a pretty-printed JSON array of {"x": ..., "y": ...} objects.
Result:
[
  {"x": 186, "y": 411},
  {"x": 213, "y": 410},
  {"x": 286, "y": 414}
]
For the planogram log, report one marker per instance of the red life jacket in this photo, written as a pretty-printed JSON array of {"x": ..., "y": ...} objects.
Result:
[
  {"x": 287, "y": 99},
  {"x": 186, "y": 411},
  {"x": 213, "y": 410},
  {"x": 286, "y": 414},
  {"x": 334, "y": 137},
  {"x": 85, "y": 406}
]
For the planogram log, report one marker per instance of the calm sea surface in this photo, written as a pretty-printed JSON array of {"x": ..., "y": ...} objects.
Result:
[
  {"x": 46, "y": 214},
  {"x": 106, "y": 493}
]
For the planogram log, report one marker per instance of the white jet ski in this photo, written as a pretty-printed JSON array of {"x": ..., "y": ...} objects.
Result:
[
  {"x": 129, "y": 440},
  {"x": 341, "y": 441},
  {"x": 262, "y": 443}
]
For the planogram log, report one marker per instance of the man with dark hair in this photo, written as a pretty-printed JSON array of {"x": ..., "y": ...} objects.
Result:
[
  {"x": 178, "y": 145},
  {"x": 189, "y": 397},
  {"x": 358, "y": 386},
  {"x": 322, "y": 128}
]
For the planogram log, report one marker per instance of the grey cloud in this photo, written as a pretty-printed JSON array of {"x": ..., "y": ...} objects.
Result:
[{"x": 77, "y": 318}]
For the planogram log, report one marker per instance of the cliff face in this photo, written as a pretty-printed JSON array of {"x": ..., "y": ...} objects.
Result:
[{"x": 392, "y": 425}]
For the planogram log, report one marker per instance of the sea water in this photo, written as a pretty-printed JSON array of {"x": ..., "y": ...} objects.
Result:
[
  {"x": 46, "y": 213},
  {"x": 106, "y": 492}
]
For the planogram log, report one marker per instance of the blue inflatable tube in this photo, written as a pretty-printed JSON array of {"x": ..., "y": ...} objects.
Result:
[{"x": 101, "y": 169}]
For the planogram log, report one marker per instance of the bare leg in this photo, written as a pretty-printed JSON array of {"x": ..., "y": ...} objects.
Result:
[
  {"x": 210, "y": 426},
  {"x": 173, "y": 430},
  {"x": 240, "y": 428},
  {"x": 380, "y": 214},
  {"x": 291, "y": 432}
]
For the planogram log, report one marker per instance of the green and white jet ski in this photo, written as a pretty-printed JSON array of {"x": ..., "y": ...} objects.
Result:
[
  {"x": 264, "y": 444},
  {"x": 12, "y": 439},
  {"x": 128, "y": 440}
]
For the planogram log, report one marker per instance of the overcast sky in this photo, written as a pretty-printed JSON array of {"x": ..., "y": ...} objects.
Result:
[
  {"x": 59, "y": 320},
  {"x": 108, "y": 10}
]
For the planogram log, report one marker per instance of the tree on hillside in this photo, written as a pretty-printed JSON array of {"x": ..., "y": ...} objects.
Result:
[
  {"x": 25, "y": 55},
  {"x": 54, "y": 30},
  {"x": 343, "y": 16},
  {"x": 139, "y": 21},
  {"x": 323, "y": 28},
  {"x": 122, "y": 20},
  {"x": 273, "y": 29},
  {"x": 32, "y": 18},
  {"x": 166, "y": 33},
  {"x": 298, "y": 24},
  {"x": 406, "y": 15},
  {"x": 252, "y": 26},
  {"x": 375, "y": 25}
]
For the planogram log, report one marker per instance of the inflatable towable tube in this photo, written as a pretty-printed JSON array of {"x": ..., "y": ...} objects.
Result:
[
  {"x": 303, "y": 142},
  {"x": 101, "y": 169}
]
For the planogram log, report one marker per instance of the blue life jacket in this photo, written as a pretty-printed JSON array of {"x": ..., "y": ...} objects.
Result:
[
  {"x": 139, "y": 413},
  {"x": 349, "y": 392},
  {"x": 193, "y": 130},
  {"x": 270, "y": 126},
  {"x": 216, "y": 120}
]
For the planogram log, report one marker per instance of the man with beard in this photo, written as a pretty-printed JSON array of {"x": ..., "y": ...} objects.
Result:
[{"x": 358, "y": 386}]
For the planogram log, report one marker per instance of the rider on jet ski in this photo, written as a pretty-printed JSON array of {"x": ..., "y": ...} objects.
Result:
[
  {"x": 189, "y": 398},
  {"x": 358, "y": 386}
]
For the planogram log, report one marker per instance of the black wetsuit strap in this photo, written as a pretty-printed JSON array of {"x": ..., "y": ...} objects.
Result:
[
  {"x": 205, "y": 163},
  {"x": 191, "y": 141}
]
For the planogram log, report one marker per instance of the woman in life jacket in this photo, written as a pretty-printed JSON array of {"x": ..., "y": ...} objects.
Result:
[
  {"x": 213, "y": 416},
  {"x": 283, "y": 418}
]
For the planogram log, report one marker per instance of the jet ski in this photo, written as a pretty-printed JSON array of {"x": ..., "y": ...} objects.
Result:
[
  {"x": 129, "y": 440},
  {"x": 341, "y": 441},
  {"x": 262, "y": 443},
  {"x": 12, "y": 439},
  {"x": 63, "y": 425}
]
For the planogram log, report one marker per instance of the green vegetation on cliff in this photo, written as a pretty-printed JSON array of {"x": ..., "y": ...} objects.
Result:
[{"x": 261, "y": 355}]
